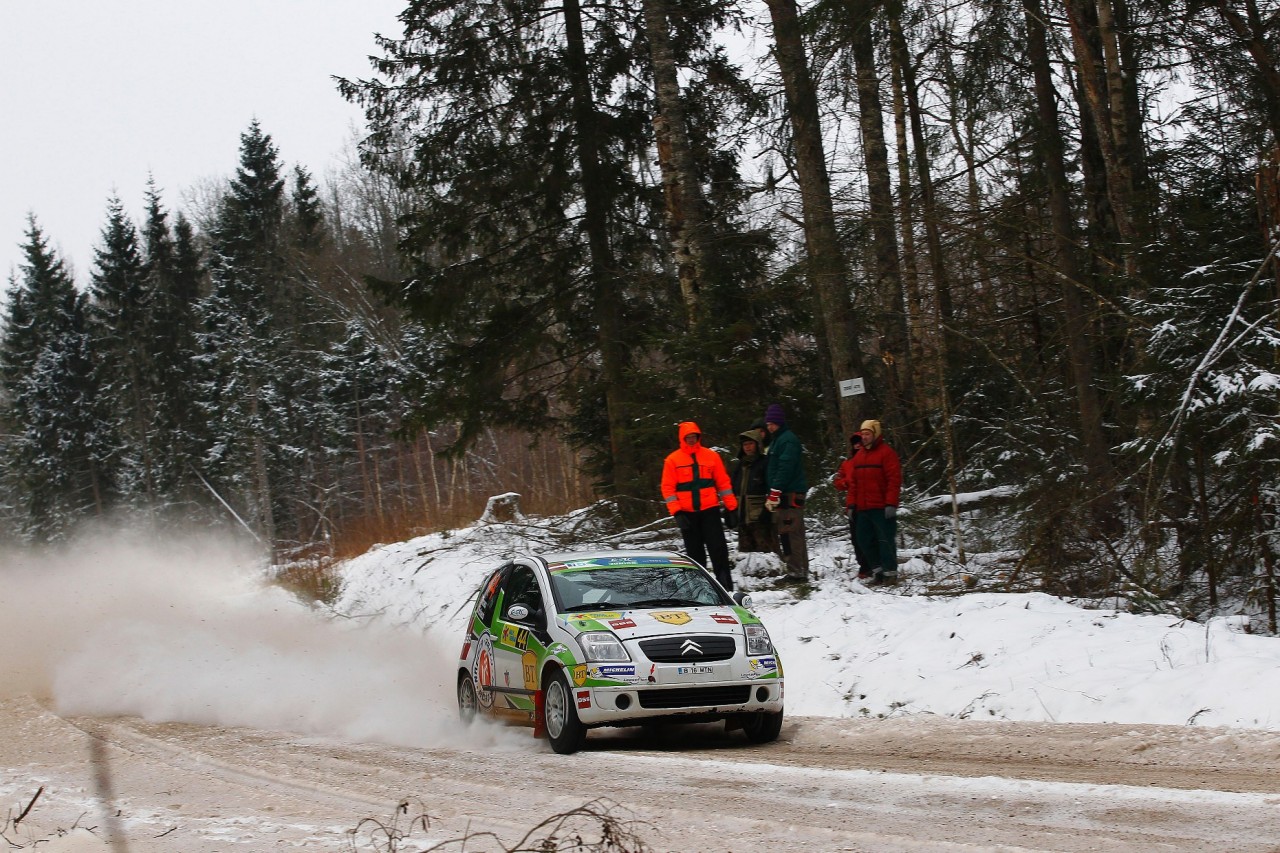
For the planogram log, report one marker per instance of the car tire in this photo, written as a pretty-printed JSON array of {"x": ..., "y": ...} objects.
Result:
[
  {"x": 468, "y": 703},
  {"x": 762, "y": 726},
  {"x": 560, "y": 715}
]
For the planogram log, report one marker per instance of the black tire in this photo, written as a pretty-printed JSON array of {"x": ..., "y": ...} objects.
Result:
[
  {"x": 560, "y": 715},
  {"x": 762, "y": 726},
  {"x": 468, "y": 704}
]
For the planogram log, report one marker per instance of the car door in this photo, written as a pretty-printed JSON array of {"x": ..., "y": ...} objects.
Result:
[
  {"x": 519, "y": 640},
  {"x": 480, "y": 637}
]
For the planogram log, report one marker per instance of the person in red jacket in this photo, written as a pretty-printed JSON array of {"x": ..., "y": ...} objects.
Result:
[
  {"x": 843, "y": 475},
  {"x": 873, "y": 480},
  {"x": 694, "y": 484}
]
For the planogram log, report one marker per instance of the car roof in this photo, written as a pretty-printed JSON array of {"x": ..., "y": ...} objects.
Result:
[{"x": 565, "y": 556}]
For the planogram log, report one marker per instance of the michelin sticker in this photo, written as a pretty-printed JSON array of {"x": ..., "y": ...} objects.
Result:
[
  {"x": 762, "y": 667},
  {"x": 614, "y": 672}
]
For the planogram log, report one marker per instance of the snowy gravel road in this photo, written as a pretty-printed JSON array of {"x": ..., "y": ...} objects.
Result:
[{"x": 911, "y": 784}]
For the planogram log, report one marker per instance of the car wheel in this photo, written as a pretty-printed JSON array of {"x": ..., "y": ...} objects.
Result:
[
  {"x": 762, "y": 726},
  {"x": 467, "y": 702},
  {"x": 565, "y": 731}
]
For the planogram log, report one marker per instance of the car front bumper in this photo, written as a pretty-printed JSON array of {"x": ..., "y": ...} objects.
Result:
[{"x": 627, "y": 704}]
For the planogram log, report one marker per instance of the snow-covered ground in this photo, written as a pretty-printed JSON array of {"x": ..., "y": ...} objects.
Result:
[
  {"x": 185, "y": 630},
  {"x": 849, "y": 651},
  {"x": 302, "y": 717}
]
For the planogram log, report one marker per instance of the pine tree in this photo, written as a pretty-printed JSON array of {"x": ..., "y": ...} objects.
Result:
[
  {"x": 308, "y": 214},
  {"x": 241, "y": 351},
  {"x": 358, "y": 376},
  {"x": 177, "y": 435},
  {"x": 120, "y": 314},
  {"x": 57, "y": 459},
  {"x": 267, "y": 319},
  {"x": 540, "y": 261}
]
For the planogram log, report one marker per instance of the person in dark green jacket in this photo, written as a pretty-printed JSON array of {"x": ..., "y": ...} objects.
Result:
[{"x": 784, "y": 476}]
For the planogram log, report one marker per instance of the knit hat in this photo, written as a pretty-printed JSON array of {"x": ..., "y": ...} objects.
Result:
[
  {"x": 874, "y": 426},
  {"x": 774, "y": 415}
]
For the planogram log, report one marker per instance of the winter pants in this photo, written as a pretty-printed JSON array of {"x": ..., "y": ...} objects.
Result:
[
  {"x": 859, "y": 556},
  {"x": 757, "y": 536},
  {"x": 789, "y": 524},
  {"x": 877, "y": 536},
  {"x": 706, "y": 534}
]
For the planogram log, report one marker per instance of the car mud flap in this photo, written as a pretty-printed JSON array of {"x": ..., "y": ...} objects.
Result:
[{"x": 539, "y": 714}]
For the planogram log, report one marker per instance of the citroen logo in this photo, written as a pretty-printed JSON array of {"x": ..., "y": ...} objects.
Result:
[{"x": 690, "y": 647}]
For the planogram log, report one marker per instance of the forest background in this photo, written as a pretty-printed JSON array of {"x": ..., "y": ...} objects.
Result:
[{"x": 1042, "y": 235}]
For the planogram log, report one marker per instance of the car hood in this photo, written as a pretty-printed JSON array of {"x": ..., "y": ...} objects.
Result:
[{"x": 659, "y": 621}]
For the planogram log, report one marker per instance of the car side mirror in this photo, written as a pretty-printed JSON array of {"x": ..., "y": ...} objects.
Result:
[{"x": 742, "y": 599}]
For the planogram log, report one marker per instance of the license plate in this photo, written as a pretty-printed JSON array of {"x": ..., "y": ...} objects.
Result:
[{"x": 693, "y": 670}]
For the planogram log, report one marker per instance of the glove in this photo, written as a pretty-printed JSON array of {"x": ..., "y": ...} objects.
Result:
[
  {"x": 891, "y": 512},
  {"x": 730, "y": 517},
  {"x": 684, "y": 522},
  {"x": 775, "y": 498}
]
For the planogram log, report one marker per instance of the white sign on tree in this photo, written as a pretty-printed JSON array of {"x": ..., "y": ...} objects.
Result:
[{"x": 852, "y": 387}]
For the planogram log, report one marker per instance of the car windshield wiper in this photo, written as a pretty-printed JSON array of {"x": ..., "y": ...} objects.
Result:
[
  {"x": 670, "y": 602},
  {"x": 602, "y": 606}
]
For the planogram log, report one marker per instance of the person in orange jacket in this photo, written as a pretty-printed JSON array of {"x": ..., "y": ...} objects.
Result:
[{"x": 694, "y": 485}]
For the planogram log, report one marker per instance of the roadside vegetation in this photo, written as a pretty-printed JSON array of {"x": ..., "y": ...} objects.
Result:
[{"x": 1040, "y": 240}]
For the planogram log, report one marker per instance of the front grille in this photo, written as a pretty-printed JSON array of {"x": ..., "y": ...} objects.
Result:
[
  {"x": 695, "y": 697},
  {"x": 702, "y": 648}
]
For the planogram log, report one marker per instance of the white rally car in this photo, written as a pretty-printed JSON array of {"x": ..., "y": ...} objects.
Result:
[{"x": 569, "y": 642}]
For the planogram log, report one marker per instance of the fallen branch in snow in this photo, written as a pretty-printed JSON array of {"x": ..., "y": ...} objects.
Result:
[
  {"x": 943, "y": 504},
  {"x": 593, "y": 827},
  {"x": 17, "y": 820}
]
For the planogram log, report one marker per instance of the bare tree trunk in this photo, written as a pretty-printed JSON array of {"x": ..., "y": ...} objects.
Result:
[
  {"x": 435, "y": 471},
  {"x": 1202, "y": 515},
  {"x": 895, "y": 352},
  {"x": 1266, "y": 532},
  {"x": 687, "y": 210},
  {"x": 828, "y": 270},
  {"x": 906, "y": 230},
  {"x": 624, "y": 474},
  {"x": 1257, "y": 38},
  {"x": 924, "y": 176},
  {"x": 424, "y": 505},
  {"x": 1093, "y": 38},
  {"x": 262, "y": 504},
  {"x": 1267, "y": 187},
  {"x": 1049, "y": 145},
  {"x": 362, "y": 457}
]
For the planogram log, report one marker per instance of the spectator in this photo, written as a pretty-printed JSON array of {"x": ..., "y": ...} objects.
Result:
[
  {"x": 787, "y": 487},
  {"x": 694, "y": 483},
  {"x": 843, "y": 478},
  {"x": 874, "y": 483},
  {"x": 755, "y": 525}
]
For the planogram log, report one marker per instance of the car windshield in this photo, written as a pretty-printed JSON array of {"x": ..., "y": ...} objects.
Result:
[{"x": 627, "y": 587}]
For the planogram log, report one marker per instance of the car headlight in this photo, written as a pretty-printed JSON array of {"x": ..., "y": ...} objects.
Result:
[
  {"x": 758, "y": 642},
  {"x": 602, "y": 646}
]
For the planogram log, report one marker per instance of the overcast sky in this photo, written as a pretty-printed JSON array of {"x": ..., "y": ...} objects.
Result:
[{"x": 98, "y": 94}]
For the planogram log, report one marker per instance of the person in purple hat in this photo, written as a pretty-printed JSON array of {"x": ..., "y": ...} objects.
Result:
[{"x": 785, "y": 480}]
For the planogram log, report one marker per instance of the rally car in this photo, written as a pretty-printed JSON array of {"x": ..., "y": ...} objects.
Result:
[{"x": 570, "y": 642}]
